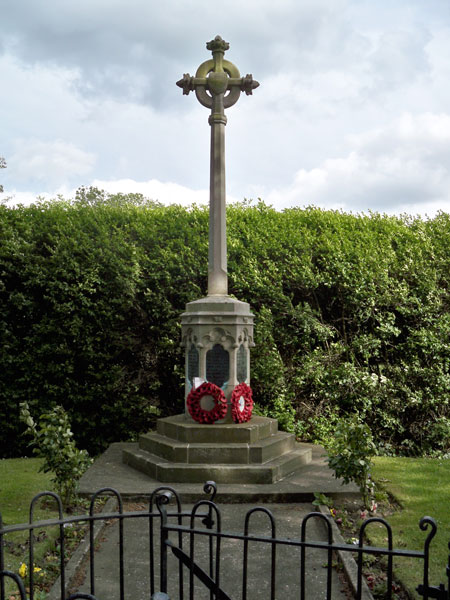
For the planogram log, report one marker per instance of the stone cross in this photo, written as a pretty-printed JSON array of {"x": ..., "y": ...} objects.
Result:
[{"x": 217, "y": 85}]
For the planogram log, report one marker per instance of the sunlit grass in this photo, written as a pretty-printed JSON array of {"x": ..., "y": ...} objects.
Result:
[
  {"x": 422, "y": 487},
  {"x": 20, "y": 481}
]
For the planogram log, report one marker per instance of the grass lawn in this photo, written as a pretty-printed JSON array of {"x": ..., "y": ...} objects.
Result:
[
  {"x": 422, "y": 488},
  {"x": 20, "y": 481}
]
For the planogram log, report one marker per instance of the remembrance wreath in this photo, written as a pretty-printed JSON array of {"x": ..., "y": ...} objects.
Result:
[
  {"x": 241, "y": 410},
  {"x": 198, "y": 413}
]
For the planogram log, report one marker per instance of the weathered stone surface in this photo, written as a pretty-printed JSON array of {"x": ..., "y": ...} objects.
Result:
[
  {"x": 179, "y": 428},
  {"x": 166, "y": 471},
  {"x": 217, "y": 85},
  {"x": 271, "y": 447},
  {"x": 300, "y": 486},
  {"x": 221, "y": 453},
  {"x": 188, "y": 452},
  {"x": 217, "y": 321},
  {"x": 242, "y": 364}
]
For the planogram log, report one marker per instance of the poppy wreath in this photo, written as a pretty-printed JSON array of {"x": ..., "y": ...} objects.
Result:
[
  {"x": 198, "y": 413},
  {"x": 241, "y": 415}
]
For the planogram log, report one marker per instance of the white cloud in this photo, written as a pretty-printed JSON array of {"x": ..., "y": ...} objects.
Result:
[
  {"x": 399, "y": 57},
  {"x": 164, "y": 192},
  {"x": 35, "y": 161},
  {"x": 401, "y": 168},
  {"x": 90, "y": 87},
  {"x": 37, "y": 98}
]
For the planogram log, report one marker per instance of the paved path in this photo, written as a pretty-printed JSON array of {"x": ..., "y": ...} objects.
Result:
[
  {"x": 288, "y": 519},
  {"x": 289, "y": 500}
]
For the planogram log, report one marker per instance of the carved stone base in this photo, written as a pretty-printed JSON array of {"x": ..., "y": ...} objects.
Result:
[
  {"x": 217, "y": 334},
  {"x": 188, "y": 452}
]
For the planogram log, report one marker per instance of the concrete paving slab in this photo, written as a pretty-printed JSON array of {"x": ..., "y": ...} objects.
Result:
[
  {"x": 288, "y": 518},
  {"x": 289, "y": 501},
  {"x": 109, "y": 471}
]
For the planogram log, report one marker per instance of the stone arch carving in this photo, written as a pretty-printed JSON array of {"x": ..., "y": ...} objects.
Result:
[{"x": 218, "y": 335}]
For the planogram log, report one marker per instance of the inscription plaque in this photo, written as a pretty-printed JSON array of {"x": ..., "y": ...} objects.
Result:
[
  {"x": 217, "y": 365},
  {"x": 241, "y": 364},
  {"x": 193, "y": 364}
]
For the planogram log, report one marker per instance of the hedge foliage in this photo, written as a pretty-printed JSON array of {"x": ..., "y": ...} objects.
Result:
[{"x": 352, "y": 316}]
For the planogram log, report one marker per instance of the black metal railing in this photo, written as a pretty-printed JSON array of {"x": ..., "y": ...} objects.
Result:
[{"x": 174, "y": 539}]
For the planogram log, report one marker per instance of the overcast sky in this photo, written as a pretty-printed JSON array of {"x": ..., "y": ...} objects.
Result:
[{"x": 353, "y": 110}]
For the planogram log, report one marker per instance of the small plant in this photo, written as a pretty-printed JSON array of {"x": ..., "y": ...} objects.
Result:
[
  {"x": 38, "y": 576},
  {"x": 350, "y": 455},
  {"x": 52, "y": 440},
  {"x": 322, "y": 499},
  {"x": 23, "y": 571},
  {"x": 341, "y": 518}
]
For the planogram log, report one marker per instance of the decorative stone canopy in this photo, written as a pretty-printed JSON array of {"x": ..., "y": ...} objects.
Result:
[{"x": 217, "y": 334}]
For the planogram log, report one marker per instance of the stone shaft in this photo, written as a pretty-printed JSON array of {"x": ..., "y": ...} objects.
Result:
[{"x": 217, "y": 264}]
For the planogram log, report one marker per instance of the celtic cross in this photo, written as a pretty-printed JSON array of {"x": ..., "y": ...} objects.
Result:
[{"x": 217, "y": 85}]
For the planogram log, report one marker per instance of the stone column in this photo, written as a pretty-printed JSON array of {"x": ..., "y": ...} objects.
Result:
[
  {"x": 217, "y": 85},
  {"x": 217, "y": 320},
  {"x": 217, "y": 263}
]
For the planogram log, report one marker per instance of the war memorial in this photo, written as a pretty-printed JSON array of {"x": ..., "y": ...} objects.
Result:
[
  {"x": 217, "y": 446},
  {"x": 217, "y": 437}
]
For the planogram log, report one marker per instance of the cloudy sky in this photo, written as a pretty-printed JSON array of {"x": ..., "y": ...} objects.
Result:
[{"x": 353, "y": 110}]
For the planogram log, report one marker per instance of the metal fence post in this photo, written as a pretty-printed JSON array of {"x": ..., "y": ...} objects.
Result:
[{"x": 161, "y": 501}]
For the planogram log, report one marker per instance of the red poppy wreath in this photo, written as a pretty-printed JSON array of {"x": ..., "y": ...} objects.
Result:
[
  {"x": 198, "y": 413},
  {"x": 241, "y": 403}
]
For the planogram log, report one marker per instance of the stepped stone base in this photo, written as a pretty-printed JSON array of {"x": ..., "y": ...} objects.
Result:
[{"x": 189, "y": 452}]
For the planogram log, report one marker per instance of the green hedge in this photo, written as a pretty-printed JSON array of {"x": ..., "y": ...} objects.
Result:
[{"x": 352, "y": 315}]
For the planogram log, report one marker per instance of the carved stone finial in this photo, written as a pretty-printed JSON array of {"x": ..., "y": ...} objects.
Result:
[
  {"x": 186, "y": 84},
  {"x": 249, "y": 84},
  {"x": 217, "y": 45}
]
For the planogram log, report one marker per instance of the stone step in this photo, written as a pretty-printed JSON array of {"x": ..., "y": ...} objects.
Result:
[
  {"x": 292, "y": 461},
  {"x": 180, "y": 429},
  {"x": 168, "y": 472},
  {"x": 271, "y": 447},
  {"x": 257, "y": 452}
]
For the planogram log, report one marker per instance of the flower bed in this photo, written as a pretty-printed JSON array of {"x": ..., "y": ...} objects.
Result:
[{"x": 349, "y": 517}]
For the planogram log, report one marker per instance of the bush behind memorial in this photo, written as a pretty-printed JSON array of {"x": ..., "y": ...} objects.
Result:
[{"x": 352, "y": 315}]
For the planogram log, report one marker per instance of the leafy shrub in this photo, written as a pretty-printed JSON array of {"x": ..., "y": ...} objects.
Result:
[
  {"x": 319, "y": 427},
  {"x": 351, "y": 315},
  {"x": 52, "y": 441},
  {"x": 268, "y": 381},
  {"x": 350, "y": 454}
]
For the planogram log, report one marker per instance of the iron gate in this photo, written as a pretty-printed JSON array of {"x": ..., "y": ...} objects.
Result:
[{"x": 174, "y": 534}]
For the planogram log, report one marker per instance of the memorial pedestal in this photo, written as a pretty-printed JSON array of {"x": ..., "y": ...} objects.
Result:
[
  {"x": 189, "y": 452},
  {"x": 217, "y": 334}
]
